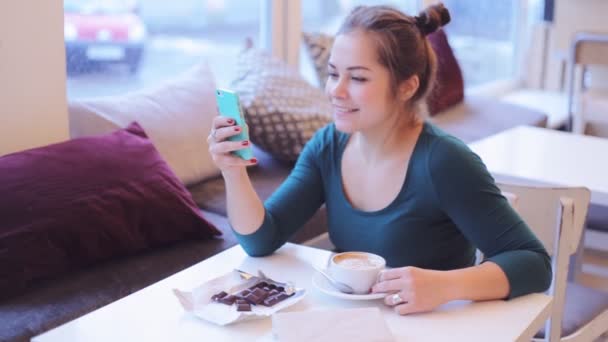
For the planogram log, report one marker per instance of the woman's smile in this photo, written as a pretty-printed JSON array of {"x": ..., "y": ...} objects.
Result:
[
  {"x": 343, "y": 115},
  {"x": 341, "y": 111}
]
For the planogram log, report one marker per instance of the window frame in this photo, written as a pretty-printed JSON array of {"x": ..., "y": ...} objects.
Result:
[
  {"x": 281, "y": 28},
  {"x": 282, "y": 37}
]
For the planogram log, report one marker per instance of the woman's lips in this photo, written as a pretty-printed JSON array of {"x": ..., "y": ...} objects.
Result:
[{"x": 344, "y": 110}]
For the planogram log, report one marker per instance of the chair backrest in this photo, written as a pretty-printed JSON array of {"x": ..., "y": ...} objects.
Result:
[
  {"x": 590, "y": 48},
  {"x": 587, "y": 48},
  {"x": 557, "y": 216}
]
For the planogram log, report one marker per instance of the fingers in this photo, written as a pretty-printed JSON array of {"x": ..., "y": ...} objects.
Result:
[
  {"x": 222, "y": 133},
  {"x": 394, "y": 273},
  {"x": 228, "y": 146},
  {"x": 406, "y": 308},
  {"x": 220, "y": 152},
  {"x": 402, "y": 303},
  {"x": 220, "y": 147},
  {"x": 394, "y": 279},
  {"x": 389, "y": 286},
  {"x": 396, "y": 298},
  {"x": 222, "y": 128},
  {"x": 228, "y": 160},
  {"x": 222, "y": 121}
]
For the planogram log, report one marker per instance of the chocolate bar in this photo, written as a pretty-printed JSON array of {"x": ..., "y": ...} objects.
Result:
[
  {"x": 228, "y": 300},
  {"x": 243, "y": 293},
  {"x": 262, "y": 284},
  {"x": 242, "y": 305},
  {"x": 274, "y": 299},
  {"x": 218, "y": 296},
  {"x": 253, "y": 299},
  {"x": 261, "y": 293}
]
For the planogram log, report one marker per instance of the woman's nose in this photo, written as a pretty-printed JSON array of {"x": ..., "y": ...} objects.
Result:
[{"x": 337, "y": 88}]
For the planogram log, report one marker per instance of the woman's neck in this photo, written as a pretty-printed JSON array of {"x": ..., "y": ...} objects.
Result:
[{"x": 387, "y": 141}]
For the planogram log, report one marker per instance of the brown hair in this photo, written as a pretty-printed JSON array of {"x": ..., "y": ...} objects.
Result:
[{"x": 401, "y": 41}]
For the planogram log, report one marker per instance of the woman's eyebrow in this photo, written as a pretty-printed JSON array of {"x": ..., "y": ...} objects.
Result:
[{"x": 355, "y": 67}]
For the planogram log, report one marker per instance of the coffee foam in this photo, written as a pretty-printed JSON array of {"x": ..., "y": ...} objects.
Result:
[{"x": 356, "y": 261}]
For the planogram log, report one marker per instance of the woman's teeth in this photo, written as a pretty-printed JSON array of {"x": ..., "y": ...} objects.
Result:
[{"x": 346, "y": 110}]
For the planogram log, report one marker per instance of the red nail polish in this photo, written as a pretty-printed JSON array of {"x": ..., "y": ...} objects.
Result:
[
  {"x": 253, "y": 160},
  {"x": 236, "y": 129},
  {"x": 245, "y": 143},
  {"x": 230, "y": 121}
]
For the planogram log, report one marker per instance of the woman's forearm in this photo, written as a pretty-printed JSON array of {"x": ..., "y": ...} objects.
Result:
[
  {"x": 245, "y": 209},
  {"x": 482, "y": 282}
]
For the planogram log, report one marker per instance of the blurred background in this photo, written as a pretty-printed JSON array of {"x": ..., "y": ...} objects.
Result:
[{"x": 114, "y": 46}]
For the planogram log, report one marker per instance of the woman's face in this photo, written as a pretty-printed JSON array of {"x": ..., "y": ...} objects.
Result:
[{"x": 358, "y": 86}]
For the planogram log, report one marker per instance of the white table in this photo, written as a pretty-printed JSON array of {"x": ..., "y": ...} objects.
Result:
[
  {"x": 547, "y": 157},
  {"x": 154, "y": 314},
  {"x": 533, "y": 155}
]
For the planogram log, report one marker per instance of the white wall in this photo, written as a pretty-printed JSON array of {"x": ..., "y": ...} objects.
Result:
[
  {"x": 572, "y": 16},
  {"x": 33, "y": 109}
]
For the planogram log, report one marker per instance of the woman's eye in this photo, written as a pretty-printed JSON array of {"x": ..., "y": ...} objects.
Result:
[
  {"x": 333, "y": 75},
  {"x": 359, "y": 79}
]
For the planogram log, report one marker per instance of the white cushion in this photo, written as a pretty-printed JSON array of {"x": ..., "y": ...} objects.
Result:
[
  {"x": 176, "y": 115},
  {"x": 553, "y": 104}
]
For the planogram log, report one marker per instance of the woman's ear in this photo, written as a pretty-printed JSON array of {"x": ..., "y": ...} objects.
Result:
[{"x": 408, "y": 88}]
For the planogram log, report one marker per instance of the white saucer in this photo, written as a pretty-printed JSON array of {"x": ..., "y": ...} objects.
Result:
[{"x": 324, "y": 286}]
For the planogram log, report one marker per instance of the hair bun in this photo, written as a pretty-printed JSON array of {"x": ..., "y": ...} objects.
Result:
[{"x": 432, "y": 18}]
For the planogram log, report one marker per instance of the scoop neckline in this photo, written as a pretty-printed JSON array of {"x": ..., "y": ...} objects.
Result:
[{"x": 393, "y": 202}]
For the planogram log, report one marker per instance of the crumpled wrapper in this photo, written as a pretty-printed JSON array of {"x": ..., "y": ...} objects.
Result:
[{"x": 199, "y": 303}]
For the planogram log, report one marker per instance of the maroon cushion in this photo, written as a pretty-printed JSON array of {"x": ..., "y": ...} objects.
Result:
[
  {"x": 74, "y": 203},
  {"x": 449, "y": 87}
]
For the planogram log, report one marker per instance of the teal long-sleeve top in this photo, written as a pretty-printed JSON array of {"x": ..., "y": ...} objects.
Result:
[{"x": 448, "y": 206}]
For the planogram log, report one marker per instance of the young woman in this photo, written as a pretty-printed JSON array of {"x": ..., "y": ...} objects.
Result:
[{"x": 393, "y": 184}]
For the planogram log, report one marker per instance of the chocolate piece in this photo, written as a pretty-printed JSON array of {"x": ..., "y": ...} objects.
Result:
[
  {"x": 243, "y": 293},
  {"x": 270, "y": 301},
  {"x": 243, "y": 307},
  {"x": 274, "y": 299},
  {"x": 272, "y": 286},
  {"x": 273, "y": 292},
  {"x": 253, "y": 298},
  {"x": 280, "y": 289},
  {"x": 282, "y": 296},
  {"x": 260, "y": 293},
  {"x": 216, "y": 297},
  {"x": 228, "y": 300},
  {"x": 262, "y": 284}
]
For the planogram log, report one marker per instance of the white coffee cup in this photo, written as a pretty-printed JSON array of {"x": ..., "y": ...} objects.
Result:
[{"x": 358, "y": 270}]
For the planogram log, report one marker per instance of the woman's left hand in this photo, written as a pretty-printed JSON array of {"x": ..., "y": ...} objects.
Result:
[{"x": 412, "y": 289}]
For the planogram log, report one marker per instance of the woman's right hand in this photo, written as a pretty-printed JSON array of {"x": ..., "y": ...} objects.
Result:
[{"x": 220, "y": 147}]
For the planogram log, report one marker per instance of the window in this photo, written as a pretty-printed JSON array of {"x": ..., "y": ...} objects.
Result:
[
  {"x": 326, "y": 15},
  {"x": 483, "y": 35},
  {"x": 116, "y": 46}
]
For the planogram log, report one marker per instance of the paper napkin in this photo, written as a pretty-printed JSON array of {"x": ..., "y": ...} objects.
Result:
[{"x": 358, "y": 324}]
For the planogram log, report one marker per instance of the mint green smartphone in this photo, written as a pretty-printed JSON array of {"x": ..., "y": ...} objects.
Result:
[{"x": 228, "y": 105}]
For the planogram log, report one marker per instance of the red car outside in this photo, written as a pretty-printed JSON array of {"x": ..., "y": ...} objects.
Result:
[{"x": 103, "y": 32}]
